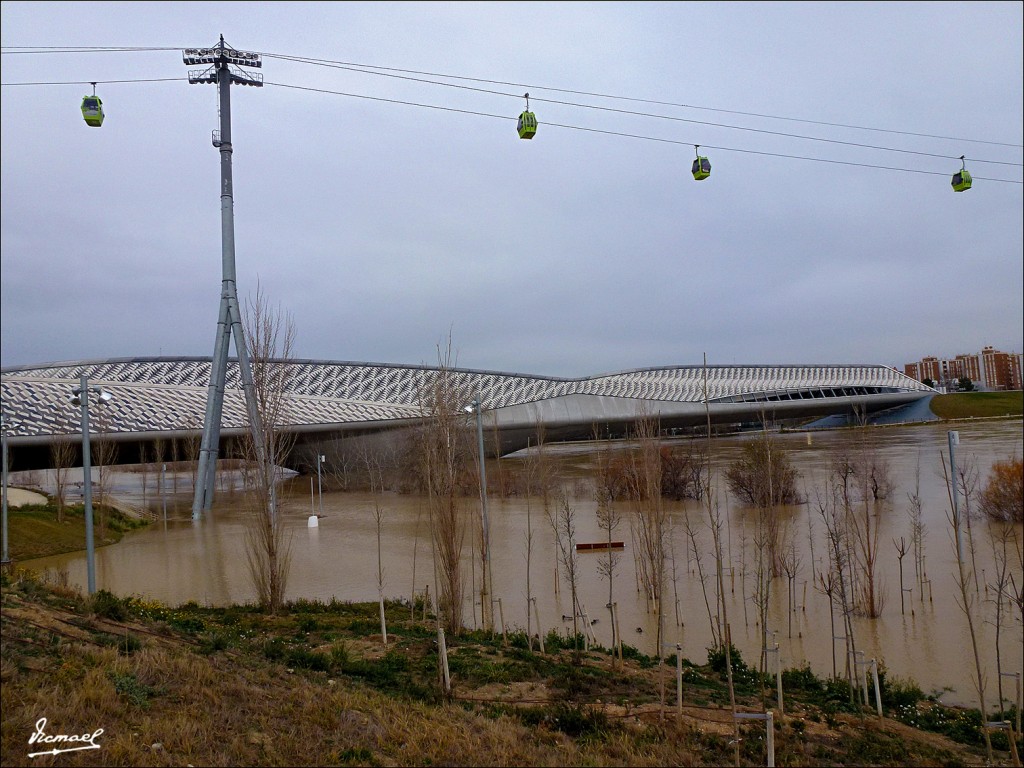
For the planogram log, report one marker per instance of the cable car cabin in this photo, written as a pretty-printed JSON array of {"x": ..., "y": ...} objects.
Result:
[
  {"x": 701, "y": 168},
  {"x": 92, "y": 111},
  {"x": 961, "y": 180},
  {"x": 527, "y": 125}
]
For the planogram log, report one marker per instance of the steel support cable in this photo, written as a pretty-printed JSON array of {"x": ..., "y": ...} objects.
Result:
[
  {"x": 721, "y": 148},
  {"x": 106, "y": 82},
  {"x": 384, "y": 72},
  {"x": 688, "y": 144}
]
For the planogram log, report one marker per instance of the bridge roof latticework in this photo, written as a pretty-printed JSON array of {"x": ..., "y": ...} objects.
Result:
[{"x": 169, "y": 394}]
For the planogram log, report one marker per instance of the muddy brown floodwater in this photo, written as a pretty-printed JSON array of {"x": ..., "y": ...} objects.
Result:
[{"x": 175, "y": 561}]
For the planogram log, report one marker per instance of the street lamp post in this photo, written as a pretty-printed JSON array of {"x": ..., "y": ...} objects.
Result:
[
  {"x": 319, "y": 488},
  {"x": 5, "y": 424},
  {"x": 80, "y": 396},
  {"x": 487, "y": 584}
]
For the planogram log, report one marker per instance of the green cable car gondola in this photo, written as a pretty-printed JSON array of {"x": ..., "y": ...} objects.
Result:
[
  {"x": 527, "y": 122},
  {"x": 92, "y": 109},
  {"x": 701, "y": 166},
  {"x": 962, "y": 178}
]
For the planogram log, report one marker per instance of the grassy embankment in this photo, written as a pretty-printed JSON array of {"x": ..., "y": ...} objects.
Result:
[
  {"x": 314, "y": 685},
  {"x": 978, "y": 405},
  {"x": 33, "y": 529}
]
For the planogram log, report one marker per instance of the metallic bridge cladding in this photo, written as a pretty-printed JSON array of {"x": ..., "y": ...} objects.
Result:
[{"x": 164, "y": 397}]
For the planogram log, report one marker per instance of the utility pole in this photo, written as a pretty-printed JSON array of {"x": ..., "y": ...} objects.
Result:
[{"x": 224, "y": 69}]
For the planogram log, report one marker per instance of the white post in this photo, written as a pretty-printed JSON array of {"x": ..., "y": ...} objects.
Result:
[
  {"x": 778, "y": 672},
  {"x": 679, "y": 681},
  {"x": 769, "y": 719},
  {"x": 501, "y": 615},
  {"x": 1016, "y": 676},
  {"x": 778, "y": 678},
  {"x": 319, "y": 486},
  {"x": 862, "y": 675},
  {"x": 618, "y": 630},
  {"x": 442, "y": 651},
  {"x": 383, "y": 622},
  {"x": 587, "y": 627},
  {"x": 878, "y": 689}
]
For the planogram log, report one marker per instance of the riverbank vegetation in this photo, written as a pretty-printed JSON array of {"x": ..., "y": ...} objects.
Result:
[
  {"x": 314, "y": 684},
  {"x": 1003, "y": 496}
]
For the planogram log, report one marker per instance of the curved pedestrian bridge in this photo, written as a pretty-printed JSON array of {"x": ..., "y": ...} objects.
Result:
[{"x": 163, "y": 398}]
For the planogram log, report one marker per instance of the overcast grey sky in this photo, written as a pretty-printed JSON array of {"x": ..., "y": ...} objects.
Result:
[{"x": 383, "y": 227}]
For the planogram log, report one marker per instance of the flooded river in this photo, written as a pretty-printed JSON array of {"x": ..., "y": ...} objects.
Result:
[{"x": 175, "y": 561}]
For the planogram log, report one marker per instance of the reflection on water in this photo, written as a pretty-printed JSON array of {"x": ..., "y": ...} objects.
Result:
[{"x": 175, "y": 561}]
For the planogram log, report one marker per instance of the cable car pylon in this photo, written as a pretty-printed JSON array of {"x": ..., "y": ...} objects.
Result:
[{"x": 224, "y": 70}]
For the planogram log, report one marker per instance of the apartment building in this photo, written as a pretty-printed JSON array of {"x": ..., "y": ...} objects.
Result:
[{"x": 990, "y": 369}]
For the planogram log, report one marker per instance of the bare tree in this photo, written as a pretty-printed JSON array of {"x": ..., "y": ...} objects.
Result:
[
  {"x": 827, "y": 584},
  {"x": 715, "y": 521},
  {"x": 838, "y": 578},
  {"x": 443, "y": 451},
  {"x": 529, "y": 491},
  {"x": 144, "y": 468},
  {"x": 918, "y": 531},
  {"x": 341, "y": 462},
  {"x": 764, "y": 477},
  {"x": 791, "y": 562},
  {"x": 967, "y": 480},
  {"x": 378, "y": 516},
  {"x": 191, "y": 444},
  {"x": 859, "y": 477},
  {"x": 901, "y": 551},
  {"x": 692, "y": 534},
  {"x": 651, "y": 522},
  {"x": 566, "y": 520},
  {"x": 271, "y": 339},
  {"x": 608, "y": 519},
  {"x": 62, "y": 454},
  {"x": 965, "y": 598},
  {"x": 105, "y": 452},
  {"x": 1005, "y": 544},
  {"x": 649, "y": 516}
]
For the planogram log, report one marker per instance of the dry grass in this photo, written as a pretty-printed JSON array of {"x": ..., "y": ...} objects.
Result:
[{"x": 176, "y": 692}]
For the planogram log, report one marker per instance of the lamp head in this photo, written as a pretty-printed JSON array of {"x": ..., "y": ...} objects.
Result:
[{"x": 75, "y": 398}]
